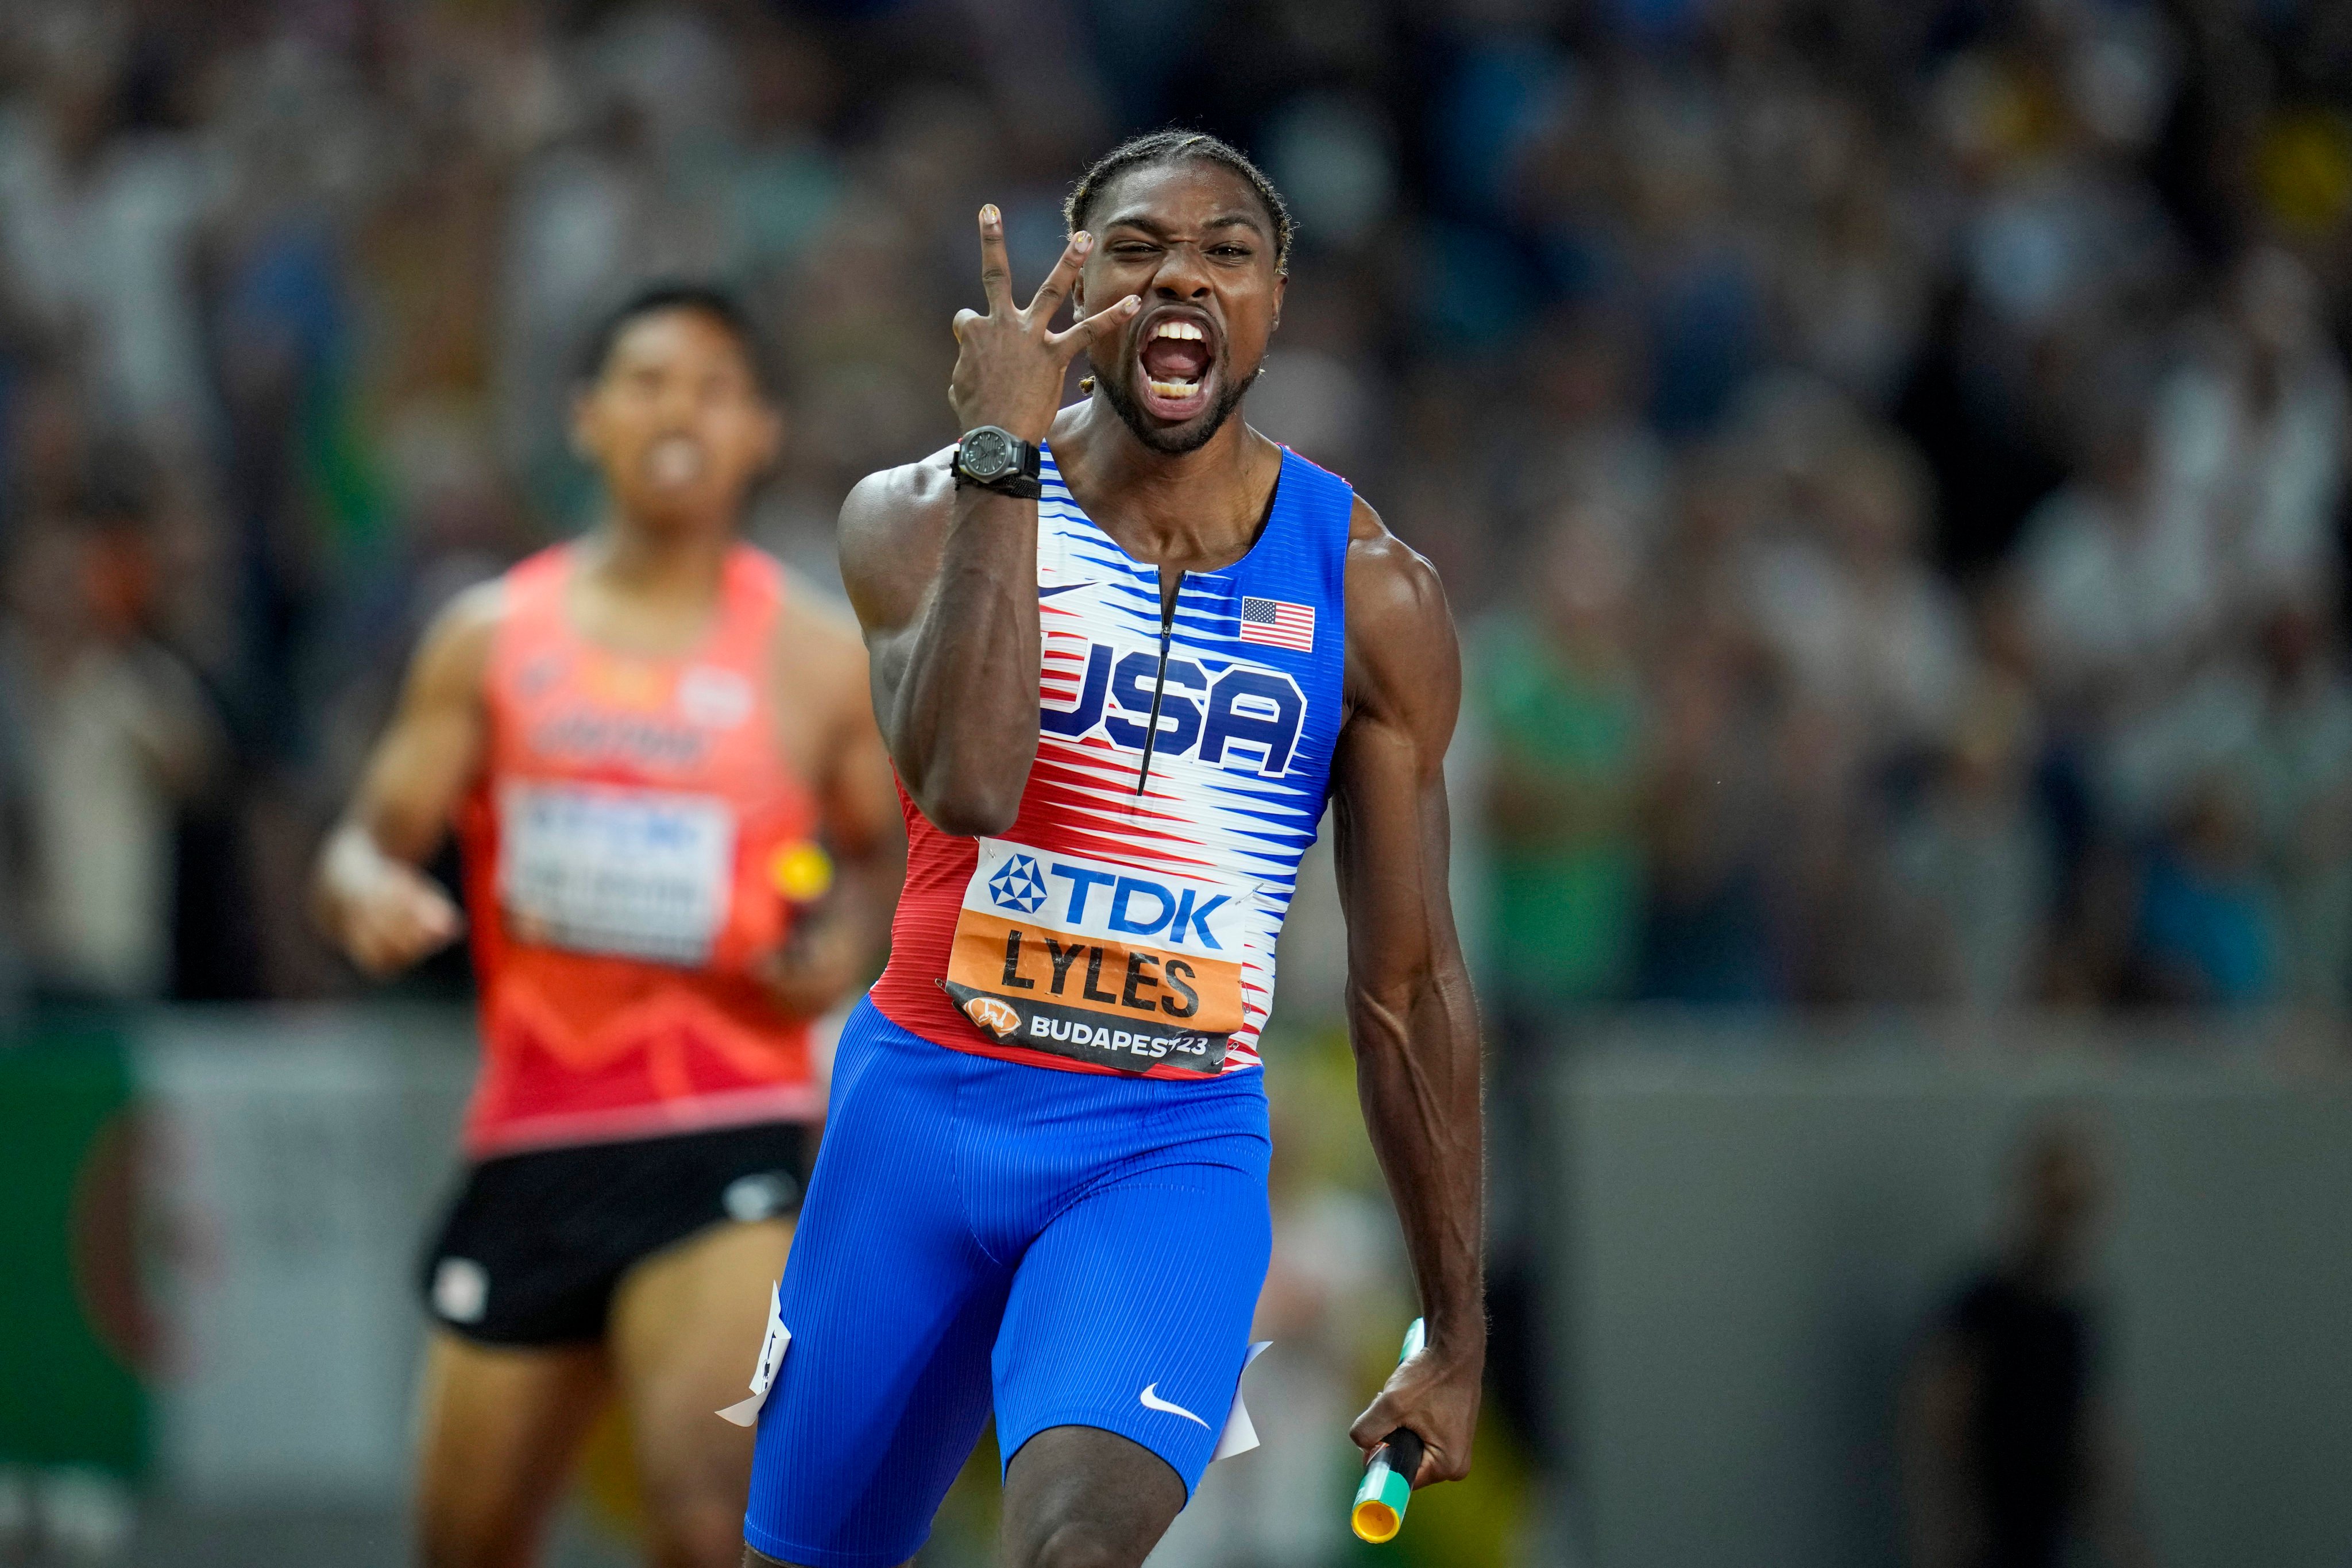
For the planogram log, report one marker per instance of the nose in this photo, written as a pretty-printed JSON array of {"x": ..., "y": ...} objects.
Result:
[
  {"x": 675, "y": 401},
  {"x": 1181, "y": 275}
]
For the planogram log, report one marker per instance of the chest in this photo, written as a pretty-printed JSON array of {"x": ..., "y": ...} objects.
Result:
[
  {"x": 1235, "y": 674},
  {"x": 574, "y": 709}
]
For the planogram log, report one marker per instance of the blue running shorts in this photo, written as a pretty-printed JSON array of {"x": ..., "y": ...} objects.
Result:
[{"x": 1079, "y": 1249}]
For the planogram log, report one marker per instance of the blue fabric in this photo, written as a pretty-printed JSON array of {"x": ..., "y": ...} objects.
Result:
[
  {"x": 980, "y": 1232},
  {"x": 1300, "y": 559}
]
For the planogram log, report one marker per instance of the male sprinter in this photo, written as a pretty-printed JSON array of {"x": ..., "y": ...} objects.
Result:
[
  {"x": 1119, "y": 678},
  {"x": 640, "y": 737}
]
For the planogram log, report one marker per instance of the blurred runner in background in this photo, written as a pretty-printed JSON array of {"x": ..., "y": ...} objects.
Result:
[{"x": 641, "y": 738}]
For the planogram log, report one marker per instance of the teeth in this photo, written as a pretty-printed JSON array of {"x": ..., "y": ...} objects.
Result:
[
  {"x": 1176, "y": 391},
  {"x": 1179, "y": 330}
]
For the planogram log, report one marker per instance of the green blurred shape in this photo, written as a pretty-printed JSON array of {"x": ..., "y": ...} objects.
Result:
[{"x": 69, "y": 1309}]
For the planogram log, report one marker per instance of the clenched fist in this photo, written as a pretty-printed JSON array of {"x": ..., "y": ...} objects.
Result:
[
  {"x": 1434, "y": 1395},
  {"x": 394, "y": 916}
]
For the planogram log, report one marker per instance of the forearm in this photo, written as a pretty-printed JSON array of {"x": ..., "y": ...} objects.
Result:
[
  {"x": 1417, "y": 1074},
  {"x": 962, "y": 724}
]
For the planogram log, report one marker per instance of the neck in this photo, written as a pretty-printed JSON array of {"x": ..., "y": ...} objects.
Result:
[
  {"x": 657, "y": 562},
  {"x": 1172, "y": 503}
]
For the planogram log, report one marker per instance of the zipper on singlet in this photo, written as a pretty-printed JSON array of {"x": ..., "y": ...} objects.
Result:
[{"x": 1160, "y": 681}]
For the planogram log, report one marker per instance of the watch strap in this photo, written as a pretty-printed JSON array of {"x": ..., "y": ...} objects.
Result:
[{"x": 1023, "y": 483}]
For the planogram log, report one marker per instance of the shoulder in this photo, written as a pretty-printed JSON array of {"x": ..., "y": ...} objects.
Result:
[
  {"x": 452, "y": 657},
  {"x": 815, "y": 627},
  {"x": 816, "y": 658},
  {"x": 1404, "y": 661},
  {"x": 893, "y": 526},
  {"x": 892, "y": 508},
  {"x": 1397, "y": 613},
  {"x": 814, "y": 609},
  {"x": 470, "y": 621}
]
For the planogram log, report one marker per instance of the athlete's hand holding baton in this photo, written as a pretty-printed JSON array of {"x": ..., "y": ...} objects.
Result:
[
  {"x": 1387, "y": 1486},
  {"x": 1417, "y": 1433}
]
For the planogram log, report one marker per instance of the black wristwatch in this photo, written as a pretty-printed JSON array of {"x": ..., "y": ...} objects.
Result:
[{"x": 998, "y": 460}]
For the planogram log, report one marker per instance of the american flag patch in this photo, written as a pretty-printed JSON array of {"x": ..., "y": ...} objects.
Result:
[{"x": 1279, "y": 623}]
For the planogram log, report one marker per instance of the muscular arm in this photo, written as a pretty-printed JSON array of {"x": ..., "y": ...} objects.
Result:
[
  {"x": 1410, "y": 1015},
  {"x": 368, "y": 894},
  {"x": 945, "y": 580},
  {"x": 945, "y": 585}
]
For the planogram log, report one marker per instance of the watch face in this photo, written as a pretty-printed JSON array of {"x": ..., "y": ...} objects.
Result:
[{"x": 987, "y": 454}]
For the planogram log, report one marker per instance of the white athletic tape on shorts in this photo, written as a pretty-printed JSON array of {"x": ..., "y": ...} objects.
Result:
[
  {"x": 746, "y": 1412},
  {"x": 1240, "y": 1436}
]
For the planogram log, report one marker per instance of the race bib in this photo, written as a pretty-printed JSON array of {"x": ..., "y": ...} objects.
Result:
[
  {"x": 628, "y": 872},
  {"x": 1099, "y": 961}
]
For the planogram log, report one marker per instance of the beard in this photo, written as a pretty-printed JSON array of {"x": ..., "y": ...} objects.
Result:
[{"x": 1175, "y": 442}]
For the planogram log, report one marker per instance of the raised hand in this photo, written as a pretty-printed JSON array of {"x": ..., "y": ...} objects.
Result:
[{"x": 1010, "y": 363}]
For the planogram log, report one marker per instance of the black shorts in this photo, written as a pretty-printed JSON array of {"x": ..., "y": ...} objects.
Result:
[{"x": 534, "y": 1245}]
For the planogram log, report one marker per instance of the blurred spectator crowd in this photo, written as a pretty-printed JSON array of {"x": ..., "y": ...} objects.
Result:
[{"x": 1888, "y": 461}]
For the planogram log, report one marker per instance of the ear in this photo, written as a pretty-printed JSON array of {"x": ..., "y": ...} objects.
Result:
[{"x": 1281, "y": 283}]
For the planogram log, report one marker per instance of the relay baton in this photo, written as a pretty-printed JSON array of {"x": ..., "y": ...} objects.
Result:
[{"x": 1387, "y": 1486}]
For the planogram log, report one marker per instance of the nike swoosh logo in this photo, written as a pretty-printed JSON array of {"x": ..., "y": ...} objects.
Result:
[
  {"x": 1152, "y": 1401},
  {"x": 1065, "y": 588}
]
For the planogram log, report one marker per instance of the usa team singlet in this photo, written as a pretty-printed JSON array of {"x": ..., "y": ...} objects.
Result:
[
  {"x": 1126, "y": 920},
  {"x": 1081, "y": 1245},
  {"x": 623, "y": 849}
]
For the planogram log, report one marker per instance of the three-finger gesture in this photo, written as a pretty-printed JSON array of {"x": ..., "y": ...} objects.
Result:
[{"x": 1010, "y": 363}]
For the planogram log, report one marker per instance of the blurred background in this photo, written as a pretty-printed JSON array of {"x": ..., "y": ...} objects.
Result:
[{"x": 1887, "y": 461}]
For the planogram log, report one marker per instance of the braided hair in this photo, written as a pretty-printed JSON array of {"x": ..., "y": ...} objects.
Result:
[{"x": 1176, "y": 146}]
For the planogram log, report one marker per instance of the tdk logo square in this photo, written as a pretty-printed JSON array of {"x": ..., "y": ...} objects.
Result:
[{"x": 1018, "y": 886}]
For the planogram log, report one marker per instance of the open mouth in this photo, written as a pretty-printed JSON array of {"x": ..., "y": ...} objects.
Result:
[
  {"x": 674, "y": 462},
  {"x": 1177, "y": 357}
]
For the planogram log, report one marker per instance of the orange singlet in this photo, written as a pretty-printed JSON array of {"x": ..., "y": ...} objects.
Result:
[{"x": 623, "y": 851}]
